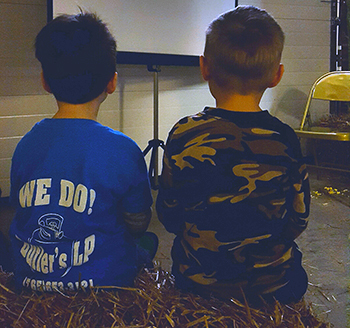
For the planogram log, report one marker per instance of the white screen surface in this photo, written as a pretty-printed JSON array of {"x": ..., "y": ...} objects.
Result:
[{"x": 153, "y": 26}]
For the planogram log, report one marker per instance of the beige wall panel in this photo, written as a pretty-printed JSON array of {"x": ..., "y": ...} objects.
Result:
[
  {"x": 305, "y": 65},
  {"x": 141, "y": 135},
  {"x": 5, "y": 187},
  {"x": 296, "y": 79},
  {"x": 298, "y": 12},
  {"x": 136, "y": 99},
  {"x": 20, "y": 83},
  {"x": 5, "y": 165},
  {"x": 27, "y": 105},
  {"x": 137, "y": 118},
  {"x": 309, "y": 52},
  {"x": 134, "y": 78},
  {"x": 8, "y": 145},
  {"x": 20, "y": 23},
  {"x": 24, "y": 2},
  {"x": 305, "y": 25},
  {"x": 262, "y": 3},
  {"x": 109, "y": 118}
]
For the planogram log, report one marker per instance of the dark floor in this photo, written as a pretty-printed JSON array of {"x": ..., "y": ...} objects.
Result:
[{"x": 325, "y": 246}]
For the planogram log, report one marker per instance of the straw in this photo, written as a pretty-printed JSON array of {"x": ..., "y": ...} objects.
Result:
[{"x": 152, "y": 302}]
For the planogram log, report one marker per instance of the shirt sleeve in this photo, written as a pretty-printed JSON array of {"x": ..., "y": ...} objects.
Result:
[{"x": 299, "y": 209}]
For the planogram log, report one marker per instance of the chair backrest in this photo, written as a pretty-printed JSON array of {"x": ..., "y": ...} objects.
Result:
[{"x": 332, "y": 86}]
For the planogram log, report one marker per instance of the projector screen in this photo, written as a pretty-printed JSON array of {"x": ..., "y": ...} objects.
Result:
[{"x": 168, "y": 27}]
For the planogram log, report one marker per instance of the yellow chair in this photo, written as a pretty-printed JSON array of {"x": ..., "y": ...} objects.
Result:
[{"x": 332, "y": 86}]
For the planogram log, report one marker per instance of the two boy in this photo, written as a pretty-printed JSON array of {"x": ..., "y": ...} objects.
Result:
[{"x": 234, "y": 189}]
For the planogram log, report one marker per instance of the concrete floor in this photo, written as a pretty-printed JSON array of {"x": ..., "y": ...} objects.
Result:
[{"x": 325, "y": 247}]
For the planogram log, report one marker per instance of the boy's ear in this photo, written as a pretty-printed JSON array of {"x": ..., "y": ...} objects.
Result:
[
  {"x": 204, "y": 66},
  {"x": 44, "y": 83},
  {"x": 112, "y": 84},
  {"x": 278, "y": 76}
]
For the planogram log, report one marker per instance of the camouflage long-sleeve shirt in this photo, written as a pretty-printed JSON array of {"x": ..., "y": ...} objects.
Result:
[{"x": 235, "y": 192}]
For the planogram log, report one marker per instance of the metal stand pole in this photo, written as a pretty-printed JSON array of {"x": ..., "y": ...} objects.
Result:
[
  {"x": 155, "y": 142},
  {"x": 339, "y": 47},
  {"x": 156, "y": 121}
]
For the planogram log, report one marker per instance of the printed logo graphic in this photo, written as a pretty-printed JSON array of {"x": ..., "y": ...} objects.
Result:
[
  {"x": 49, "y": 250},
  {"x": 49, "y": 230}
]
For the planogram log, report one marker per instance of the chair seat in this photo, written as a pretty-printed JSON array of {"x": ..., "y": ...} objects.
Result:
[{"x": 325, "y": 135}]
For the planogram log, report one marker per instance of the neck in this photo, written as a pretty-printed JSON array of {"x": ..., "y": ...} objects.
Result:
[
  {"x": 234, "y": 101},
  {"x": 239, "y": 103},
  {"x": 87, "y": 110}
]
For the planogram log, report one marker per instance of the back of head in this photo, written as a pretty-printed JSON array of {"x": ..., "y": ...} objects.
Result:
[
  {"x": 244, "y": 48},
  {"x": 78, "y": 57}
]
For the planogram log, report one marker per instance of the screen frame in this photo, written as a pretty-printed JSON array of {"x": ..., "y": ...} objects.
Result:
[{"x": 142, "y": 58}]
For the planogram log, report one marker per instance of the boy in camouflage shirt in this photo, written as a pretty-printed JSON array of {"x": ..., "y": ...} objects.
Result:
[{"x": 234, "y": 188}]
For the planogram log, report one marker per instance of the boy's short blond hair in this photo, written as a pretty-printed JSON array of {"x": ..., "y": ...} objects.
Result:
[{"x": 243, "y": 48}]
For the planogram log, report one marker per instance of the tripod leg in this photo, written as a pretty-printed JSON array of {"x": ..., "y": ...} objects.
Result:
[{"x": 153, "y": 167}]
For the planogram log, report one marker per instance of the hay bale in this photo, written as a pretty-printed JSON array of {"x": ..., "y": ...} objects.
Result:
[{"x": 153, "y": 302}]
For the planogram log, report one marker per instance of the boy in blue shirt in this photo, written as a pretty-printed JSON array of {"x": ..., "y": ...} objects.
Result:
[
  {"x": 80, "y": 189},
  {"x": 234, "y": 188}
]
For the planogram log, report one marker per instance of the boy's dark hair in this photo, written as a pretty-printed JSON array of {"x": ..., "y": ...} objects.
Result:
[
  {"x": 244, "y": 48},
  {"x": 78, "y": 57}
]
